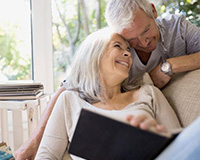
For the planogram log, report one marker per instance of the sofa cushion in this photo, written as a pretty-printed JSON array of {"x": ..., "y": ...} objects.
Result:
[{"x": 183, "y": 93}]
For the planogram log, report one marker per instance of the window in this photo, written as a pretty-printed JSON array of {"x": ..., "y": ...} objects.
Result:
[
  {"x": 72, "y": 21},
  {"x": 15, "y": 40},
  {"x": 26, "y": 42}
]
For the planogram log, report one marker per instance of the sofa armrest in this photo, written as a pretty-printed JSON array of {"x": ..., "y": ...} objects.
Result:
[{"x": 183, "y": 93}]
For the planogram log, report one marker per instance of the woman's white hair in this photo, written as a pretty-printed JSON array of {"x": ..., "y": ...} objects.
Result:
[
  {"x": 84, "y": 74},
  {"x": 120, "y": 13}
]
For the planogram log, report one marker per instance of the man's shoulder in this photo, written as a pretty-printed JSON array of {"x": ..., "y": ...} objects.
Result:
[{"x": 170, "y": 20}]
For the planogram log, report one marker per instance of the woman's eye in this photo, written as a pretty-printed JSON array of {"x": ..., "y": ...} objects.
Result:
[
  {"x": 117, "y": 45},
  {"x": 128, "y": 49}
]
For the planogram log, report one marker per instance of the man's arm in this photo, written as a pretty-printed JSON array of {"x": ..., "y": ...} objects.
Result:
[
  {"x": 178, "y": 64},
  {"x": 29, "y": 149}
]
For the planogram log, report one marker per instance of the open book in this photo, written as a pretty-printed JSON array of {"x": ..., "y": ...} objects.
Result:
[{"x": 101, "y": 138}]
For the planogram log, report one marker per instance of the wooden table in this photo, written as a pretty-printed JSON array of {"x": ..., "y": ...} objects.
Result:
[{"x": 33, "y": 108}]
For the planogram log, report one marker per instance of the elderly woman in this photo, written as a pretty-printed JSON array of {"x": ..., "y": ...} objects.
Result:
[{"x": 97, "y": 82}]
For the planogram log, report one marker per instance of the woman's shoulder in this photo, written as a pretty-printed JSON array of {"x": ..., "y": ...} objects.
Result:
[
  {"x": 145, "y": 93},
  {"x": 142, "y": 93},
  {"x": 147, "y": 89},
  {"x": 70, "y": 101},
  {"x": 134, "y": 94},
  {"x": 68, "y": 94}
]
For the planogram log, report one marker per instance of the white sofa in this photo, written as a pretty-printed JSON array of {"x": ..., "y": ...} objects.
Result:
[{"x": 183, "y": 93}]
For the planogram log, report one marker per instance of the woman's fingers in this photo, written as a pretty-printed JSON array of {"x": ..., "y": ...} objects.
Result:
[
  {"x": 147, "y": 123},
  {"x": 129, "y": 117},
  {"x": 136, "y": 120},
  {"x": 161, "y": 128}
]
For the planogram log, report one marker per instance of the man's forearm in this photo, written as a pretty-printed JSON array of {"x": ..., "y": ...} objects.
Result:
[
  {"x": 185, "y": 63},
  {"x": 45, "y": 115},
  {"x": 178, "y": 64},
  {"x": 29, "y": 149}
]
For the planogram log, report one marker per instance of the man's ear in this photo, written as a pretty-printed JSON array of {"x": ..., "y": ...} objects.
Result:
[{"x": 154, "y": 11}]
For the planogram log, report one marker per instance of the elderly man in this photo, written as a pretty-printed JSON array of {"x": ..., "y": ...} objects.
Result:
[{"x": 160, "y": 46}]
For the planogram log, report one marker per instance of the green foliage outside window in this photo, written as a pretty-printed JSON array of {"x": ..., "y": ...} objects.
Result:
[
  {"x": 190, "y": 8},
  {"x": 12, "y": 64}
]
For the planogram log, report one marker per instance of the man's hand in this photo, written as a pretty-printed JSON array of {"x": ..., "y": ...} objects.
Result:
[
  {"x": 159, "y": 78},
  {"x": 28, "y": 150}
]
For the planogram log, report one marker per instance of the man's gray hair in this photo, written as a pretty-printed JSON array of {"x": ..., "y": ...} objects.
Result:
[
  {"x": 84, "y": 74},
  {"x": 120, "y": 13}
]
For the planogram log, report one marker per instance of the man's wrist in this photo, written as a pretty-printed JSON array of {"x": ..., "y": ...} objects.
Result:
[{"x": 166, "y": 68}]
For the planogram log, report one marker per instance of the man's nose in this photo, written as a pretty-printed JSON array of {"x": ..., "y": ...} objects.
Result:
[{"x": 143, "y": 41}]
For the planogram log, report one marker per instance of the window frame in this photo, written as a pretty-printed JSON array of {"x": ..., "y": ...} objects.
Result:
[{"x": 42, "y": 51}]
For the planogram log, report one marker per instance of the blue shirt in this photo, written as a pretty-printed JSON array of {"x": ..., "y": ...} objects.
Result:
[{"x": 179, "y": 37}]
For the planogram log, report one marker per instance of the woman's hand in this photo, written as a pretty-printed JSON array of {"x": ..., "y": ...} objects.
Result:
[{"x": 145, "y": 123}]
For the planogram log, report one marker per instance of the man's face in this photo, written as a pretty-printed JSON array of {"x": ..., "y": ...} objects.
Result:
[{"x": 143, "y": 34}]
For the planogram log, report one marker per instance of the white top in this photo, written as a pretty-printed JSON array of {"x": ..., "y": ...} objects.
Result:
[{"x": 64, "y": 117}]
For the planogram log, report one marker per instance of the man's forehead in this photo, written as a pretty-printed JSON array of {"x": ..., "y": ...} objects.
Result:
[
  {"x": 133, "y": 31},
  {"x": 139, "y": 23}
]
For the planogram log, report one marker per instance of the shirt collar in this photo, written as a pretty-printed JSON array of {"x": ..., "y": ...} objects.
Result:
[{"x": 161, "y": 30}]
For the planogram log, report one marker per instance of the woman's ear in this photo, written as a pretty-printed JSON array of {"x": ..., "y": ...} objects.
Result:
[{"x": 154, "y": 11}]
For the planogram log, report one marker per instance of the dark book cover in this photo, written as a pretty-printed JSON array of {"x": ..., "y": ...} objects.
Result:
[{"x": 101, "y": 138}]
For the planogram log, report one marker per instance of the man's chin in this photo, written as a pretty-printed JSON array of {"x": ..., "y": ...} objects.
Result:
[
  {"x": 149, "y": 49},
  {"x": 146, "y": 50}
]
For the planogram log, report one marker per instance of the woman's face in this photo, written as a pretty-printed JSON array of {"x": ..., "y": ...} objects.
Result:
[{"x": 117, "y": 58}]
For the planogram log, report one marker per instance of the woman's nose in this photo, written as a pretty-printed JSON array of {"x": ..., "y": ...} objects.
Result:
[{"x": 126, "y": 53}]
